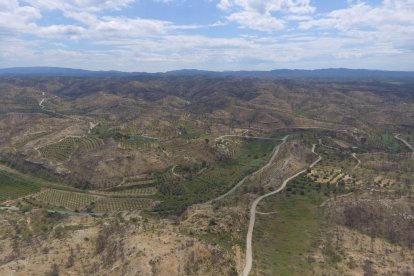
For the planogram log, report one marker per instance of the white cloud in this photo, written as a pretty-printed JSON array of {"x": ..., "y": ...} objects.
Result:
[
  {"x": 360, "y": 15},
  {"x": 16, "y": 17},
  {"x": 259, "y": 14},
  {"x": 295, "y": 17},
  {"x": 82, "y": 17},
  {"x": 164, "y": 1},
  {"x": 362, "y": 35},
  {"x": 170, "y": 52},
  {"x": 224, "y": 5},
  {"x": 80, "y": 5},
  {"x": 268, "y": 6},
  {"x": 56, "y": 31},
  {"x": 388, "y": 27},
  {"x": 129, "y": 27},
  {"x": 256, "y": 21}
]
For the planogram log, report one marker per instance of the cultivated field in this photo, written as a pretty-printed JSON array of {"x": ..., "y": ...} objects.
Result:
[
  {"x": 13, "y": 186},
  {"x": 62, "y": 150}
]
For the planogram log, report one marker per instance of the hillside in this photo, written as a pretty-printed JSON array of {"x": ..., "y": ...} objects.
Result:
[{"x": 169, "y": 173}]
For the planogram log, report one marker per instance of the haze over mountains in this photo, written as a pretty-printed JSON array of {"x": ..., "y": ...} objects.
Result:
[{"x": 289, "y": 73}]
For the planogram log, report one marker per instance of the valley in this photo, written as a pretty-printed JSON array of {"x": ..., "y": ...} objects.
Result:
[{"x": 206, "y": 175}]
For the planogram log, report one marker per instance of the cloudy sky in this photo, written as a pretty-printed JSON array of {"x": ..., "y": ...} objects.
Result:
[{"x": 162, "y": 35}]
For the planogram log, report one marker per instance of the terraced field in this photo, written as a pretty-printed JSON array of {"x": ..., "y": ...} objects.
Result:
[
  {"x": 62, "y": 150},
  {"x": 89, "y": 143},
  {"x": 145, "y": 191},
  {"x": 31, "y": 137},
  {"x": 135, "y": 142},
  {"x": 333, "y": 177},
  {"x": 68, "y": 200},
  {"x": 108, "y": 204},
  {"x": 140, "y": 181},
  {"x": 82, "y": 202},
  {"x": 13, "y": 186}
]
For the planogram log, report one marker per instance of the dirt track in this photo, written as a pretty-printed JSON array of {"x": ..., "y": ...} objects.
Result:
[
  {"x": 397, "y": 136},
  {"x": 275, "y": 152},
  {"x": 249, "y": 254}
]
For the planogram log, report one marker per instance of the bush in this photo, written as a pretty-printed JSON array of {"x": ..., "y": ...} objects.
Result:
[
  {"x": 25, "y": 208},
  {"x": 45, "y": 250},
  {"x": 54, "y": 270},
  {"x": 100, "y": 243}
]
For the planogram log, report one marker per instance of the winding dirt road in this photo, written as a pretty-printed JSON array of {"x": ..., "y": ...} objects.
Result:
[
  {"x": 249, "y": 254},
  {"x": 271, "y": 160},
  {"x": 43, "y": 107},
  {"x": 41, "y": 103},
  {"x": 269, "y": 213},
  {"x": 174, "y": 173},
  {"x": 281, "y": 128},
  {"x": 397, "y": 136},
  {"x": 357, "y": 159}
]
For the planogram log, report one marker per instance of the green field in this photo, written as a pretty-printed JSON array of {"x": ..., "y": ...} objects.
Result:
[
  {"x": 59, "y": 151},
  {"x": 218, "y": 179},
  {"x": 84, "y": 202},
  {"x": 282, "y": 241},
  {"x": 53, "y": 196},
  {"x": 383, "y": 141},
  {"x": 12, "y": 186},
  {"x": 64, "y": 199}
]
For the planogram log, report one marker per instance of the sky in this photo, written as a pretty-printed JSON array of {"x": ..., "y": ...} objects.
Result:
[{"x": 164, "y": 35}]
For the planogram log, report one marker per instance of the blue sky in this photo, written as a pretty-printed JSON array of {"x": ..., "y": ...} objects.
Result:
[{"x": 162, "y": 35}]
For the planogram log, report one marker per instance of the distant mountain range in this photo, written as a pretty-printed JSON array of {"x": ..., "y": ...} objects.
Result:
[{"x": 286, "y": 73}]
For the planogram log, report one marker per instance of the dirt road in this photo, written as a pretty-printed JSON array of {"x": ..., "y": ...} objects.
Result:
[
  {"x": 249, "y": 254},
  {"x": 357, "y": 159},
  {"x": 271, "y": 160},
  {"x": 397, "y": 136}
]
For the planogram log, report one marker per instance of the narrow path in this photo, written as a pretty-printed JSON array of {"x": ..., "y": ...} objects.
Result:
[
  {"x": 41, "y": 103},
  {"x": 174, "y": 173},
  {"x": 338, "y": 197},
  {"x": 281, "y": 128},
  {"x": 150, "y": 137},
  {"x": 249, "y": 254},
  {"x": 271, "y": 160},
  {"x": 333, "y": 148},
  {"x": 357, "y": 159},
  {"x": 268, "y": 213},
  {"x": 43, "y": 107},
  {"x": 397, "y": 136},
  {"x": 326, "y": 146},
  {"x": 10, "y": 208}
]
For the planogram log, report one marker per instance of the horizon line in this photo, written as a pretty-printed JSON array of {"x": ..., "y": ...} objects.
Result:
[{"x": 203, "y": 70}]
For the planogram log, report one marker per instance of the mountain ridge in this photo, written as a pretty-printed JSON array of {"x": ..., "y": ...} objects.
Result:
[{"x": 289, "y": 73}]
